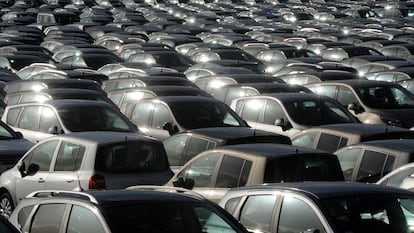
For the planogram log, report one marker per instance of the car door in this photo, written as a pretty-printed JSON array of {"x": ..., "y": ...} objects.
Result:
[
  {"x": 160, "y": 118},
  {"x": 64, "y": 174},
  {"x": 36, "y": 168}
]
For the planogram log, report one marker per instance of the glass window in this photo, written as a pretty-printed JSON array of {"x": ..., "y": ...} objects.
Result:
[
  {"x": 272, "y": 112},
  {"x": 257, "y": 212},
  {"x": 202, "y": 170},
  {"x": 69, "y": 157},
  {"x": 230, "y": 172},
  {"x": 41, "y": 156},
  {"x": 48, "y": 218},
  {"x": 231, "y": 204},
  {"x": 346, "y": 96},
  {"x": 197, "y": 145},
  {"x": 48, "y": 120},
  {"x": 348, "y": 160},
  {"x": 12, "y": 116},
  {"x": 305, "y": 140},
  {"x": 142, "y": 113},
  {"x": 211, "y": 222},
  {"x": 174, "y": 146},
  {"x": 23, "y": 215},
  {"x": 29, "y": 118},
  {"x": 330, "y": 143},
  {"x": 83, "y": 220},
  {"x": 13, "y": 99},
  {"x": 371, "y": 167},
  {"x": 252, "y": 109},
  {"x": 131, "y": 157},
  {"x": 297, "y": 216},
  {"x": 398, "y": 178},
  {"x": 161, "y": 116}
]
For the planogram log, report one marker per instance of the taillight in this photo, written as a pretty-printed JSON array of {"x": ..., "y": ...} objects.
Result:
[{"x": 97, "y": 182}]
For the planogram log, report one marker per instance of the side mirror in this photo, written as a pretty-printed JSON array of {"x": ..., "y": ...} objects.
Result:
[
  {"x": 170, "y": 128},
  {"x": 53, "y": 130},
  {"x": 19, "y": 134},
  {"x": 356, "y": 108},
  {"x": 283, "y": 124},
  {"x": 187, "y": 183}
]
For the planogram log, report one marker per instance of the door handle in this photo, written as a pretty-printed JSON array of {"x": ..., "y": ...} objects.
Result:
[
  {"x": 41, "y": 180},
  {"x": 70, "y": 181}
]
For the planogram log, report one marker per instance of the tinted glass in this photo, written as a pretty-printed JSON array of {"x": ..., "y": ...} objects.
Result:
[
  {"x": 348, "y": 159},
  {"x": 69, "y": 157},
  {"x": 202, "y": 170},
  {"x": 12, "y": 116},
  {"x": 306, "y": 167},
  {"x": 161, "y": 116},
  {"x": 93, "y": 118},
  {"x": 141, "y": 113},
  {"x": 230, "y": 172},
  {"x": 165, "y": 217},
  {"x": 272, "y": 112},
  {"x": 23, "y": 215},
  {"x": 306, "y": 140},
  {"x": 386, "y": 97},
  {"x": 48, "y": 120},
  {"x": 82, "y": 219},
  {"x": 304, "y": 217},
  {"x": 131, "y": 157},
  {"x": 174, "y": 146},
  {"x": 257, "y": 212},
  {"x": 252, "y": 109},
  {"x": 371, "y": 213},
  {"x": 48, "y": 218},
  {"x": 346, "y": 96},
  {"x": 330, "y": 143},
  {"x": 371, "y": 168},
  {"x": 196, "y": 146}
]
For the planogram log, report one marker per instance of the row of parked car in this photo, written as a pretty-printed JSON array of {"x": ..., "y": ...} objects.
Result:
[{"x": 275, "y": 114}]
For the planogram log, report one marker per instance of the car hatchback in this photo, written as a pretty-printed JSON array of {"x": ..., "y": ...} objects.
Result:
[{"x": 83, "y": 161}]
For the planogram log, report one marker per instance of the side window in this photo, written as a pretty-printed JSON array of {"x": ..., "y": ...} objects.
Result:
[
  {"x": 41, "y": 156},
  {"x": 12, "y": 116},
  {"x": 346, "y": 96},
  {"x": 233, "y": 172},
  {"x": 371, "y": 168},
  {"x": 48, "y": 120},
  {"x": 161, "y": 116},
  {"x": 231, "y": 204},
  {"x": 211, "y": 222},
  {"x": 69, "y": 157},
  {"x": 82, "y": 219},
  {"x": 29, "y": 118},
  {"x": 257, "y": 212},
  {"x": 48, "y": 218},
  {"x": 202, "y": 170},
  {"x": 306, "y": 140},
  {"x": 252, "y": 109},
  {"x": 141, "y": 113},
  {"x": 348, "y": 160},
  {"x": 23, "y": 215},
  {"x": 196, "y": 146},
  {"x": 325, "y": 90},
  {"x": 297, "y": 216},
  {"x": 330, "y": 143},
  {"x": 174, "y": 147},
  {"x": 272, "y": 112},
  {"x": 13, "y": 99}
]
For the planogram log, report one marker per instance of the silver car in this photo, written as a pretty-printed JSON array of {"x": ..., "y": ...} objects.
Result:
[{"x": 83, "y": 161}]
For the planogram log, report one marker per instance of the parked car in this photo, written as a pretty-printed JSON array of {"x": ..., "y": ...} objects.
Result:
[
  {"x": 6, "y": 226},
  {"x": 213, "y": 172},
  {"x": 116, "y": 211},
  {"x": 331, "y": 137},
  {"x": 371, "y": 160},
  {"x": 328, "y": 207},
  {"x": 183, "y": 146},
  {"x": 83, "y": 161},
  {"x": 401, "y": 177},
  {"x": 164, "y": 116},
  {"x": 12, "y": 146},
  {"x": 372, "y": 102},
  {"x": 37, "y": 121},
  {"x": 290, "y": 113}
]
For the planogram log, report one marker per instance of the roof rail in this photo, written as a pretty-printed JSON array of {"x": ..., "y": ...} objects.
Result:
[
  {"x": 165, "y": 189},
  {"x": 62, "y": 193}
]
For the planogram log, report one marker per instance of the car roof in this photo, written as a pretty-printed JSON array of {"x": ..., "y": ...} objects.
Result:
[
  {"x": 103, "y": 137},
  {"x": 291, "y": 96},
  {"x": 396, "y": 144},
  {"x": 356, "y": 83},
  {"x": 62, "y": 103},
  {"x": 271, "y": 150},
  {"x": 322, "y": 190},
  {"x": 362, "y": 129}
]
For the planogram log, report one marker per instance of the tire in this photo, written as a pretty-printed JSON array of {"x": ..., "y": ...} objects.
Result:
[{"x": 6, "y": 205}]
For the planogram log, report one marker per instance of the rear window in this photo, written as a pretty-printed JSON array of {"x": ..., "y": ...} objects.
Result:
[
  {"x": 131, "y": 157},
  {"x": 304, "y": 167}
]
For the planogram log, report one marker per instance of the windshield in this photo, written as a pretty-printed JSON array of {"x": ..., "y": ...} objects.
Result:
[
  {"x": 195, "y": 114},
  {"x": 93, "y": 118},
  {"x": 386, "y": 97},
  {"x": 372, "y": 213},
  {"x": 318, "y": 112},
  {"x": 166, "y": 217}
]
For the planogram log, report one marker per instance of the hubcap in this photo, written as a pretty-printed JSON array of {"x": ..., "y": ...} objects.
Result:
[{"x": 5, "y": 207}]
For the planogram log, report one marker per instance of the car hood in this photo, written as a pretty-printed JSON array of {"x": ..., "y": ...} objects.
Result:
[{"x": 398, "y": 116}]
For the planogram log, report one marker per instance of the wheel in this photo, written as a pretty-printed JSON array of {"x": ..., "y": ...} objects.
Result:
[{"x": 6, "y": 205}]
